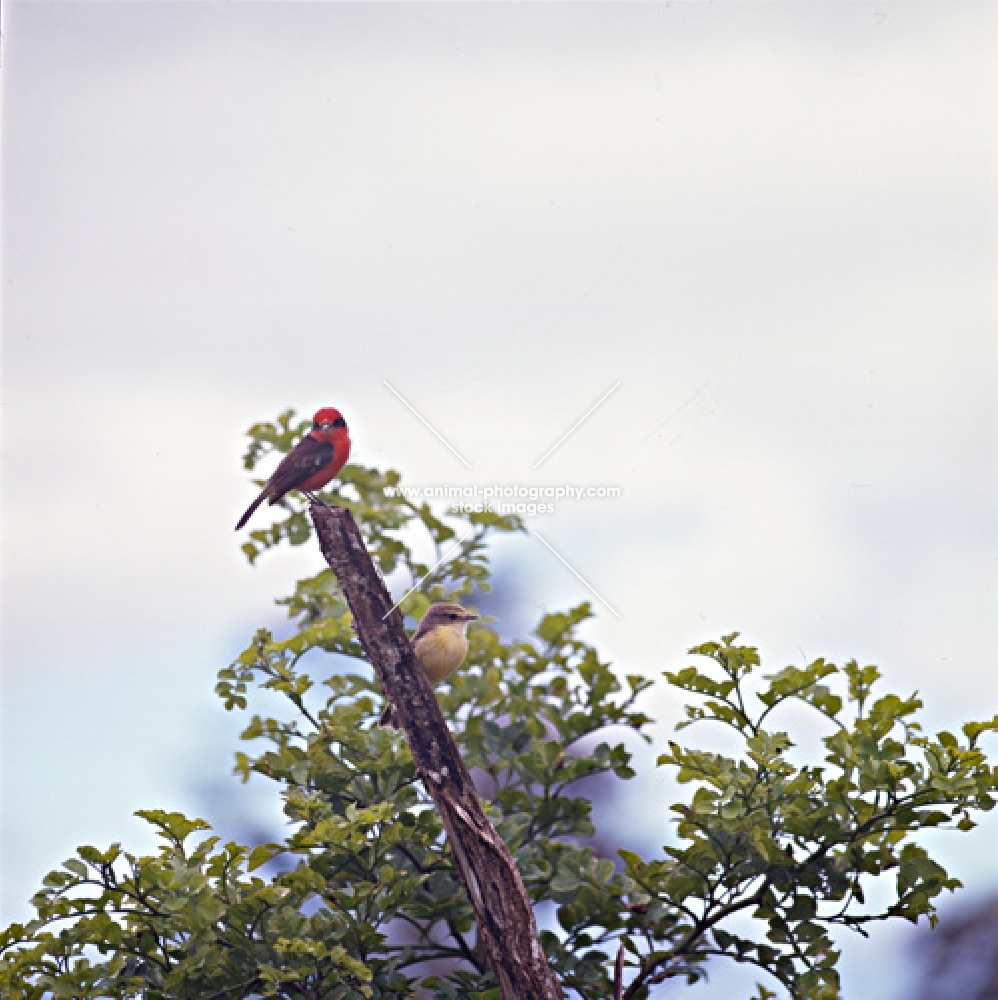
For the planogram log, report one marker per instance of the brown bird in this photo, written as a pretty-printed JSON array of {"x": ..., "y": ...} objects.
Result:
[{"x": 440, "y": 643}]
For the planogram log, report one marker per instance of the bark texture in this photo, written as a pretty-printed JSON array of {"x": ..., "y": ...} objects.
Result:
[{"x": 502, "y": 908}]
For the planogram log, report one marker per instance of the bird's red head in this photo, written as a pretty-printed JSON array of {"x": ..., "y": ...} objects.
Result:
[
  {"x": 327, "y": 419},
  {"x": 329, "y": 427}
]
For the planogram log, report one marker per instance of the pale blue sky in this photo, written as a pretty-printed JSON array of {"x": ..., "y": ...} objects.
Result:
[{"x": 773, "y": 223}]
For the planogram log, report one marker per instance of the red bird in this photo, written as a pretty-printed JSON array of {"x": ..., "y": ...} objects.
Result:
[{"x": 311, "y": 463}]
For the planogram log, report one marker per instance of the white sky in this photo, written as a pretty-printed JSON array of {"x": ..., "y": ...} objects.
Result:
[{"x": 773, "y": 223}]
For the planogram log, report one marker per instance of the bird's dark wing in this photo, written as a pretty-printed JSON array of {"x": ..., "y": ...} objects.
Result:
[{"x": 304, "y": 460}]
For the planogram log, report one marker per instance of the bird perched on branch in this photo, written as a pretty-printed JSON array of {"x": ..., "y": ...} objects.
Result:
[
  {"x": 440, "y": 643},
  {"x": 311, "y": 463}
]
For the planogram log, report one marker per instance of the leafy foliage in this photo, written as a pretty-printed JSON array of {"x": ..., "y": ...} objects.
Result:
[
  {"x": 361, "y": 899},
  {"x": 793, "y": 843}
]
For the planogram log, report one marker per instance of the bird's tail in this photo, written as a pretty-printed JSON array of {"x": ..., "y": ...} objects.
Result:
[
  {"x": 251, "y": 508},
  {"x": 387, "y": 720}
]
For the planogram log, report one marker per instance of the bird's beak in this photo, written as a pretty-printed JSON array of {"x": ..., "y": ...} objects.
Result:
[{"x": 469, "y": 617}]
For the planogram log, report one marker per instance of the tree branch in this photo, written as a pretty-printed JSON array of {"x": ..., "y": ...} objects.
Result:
[{"x": 503, "y": 913}]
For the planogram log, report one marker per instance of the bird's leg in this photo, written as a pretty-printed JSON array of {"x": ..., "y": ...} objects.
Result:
[{"x": 312, "y": 498}]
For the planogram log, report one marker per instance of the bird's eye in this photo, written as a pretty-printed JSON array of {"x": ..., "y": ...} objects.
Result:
[{"x": 338, "y": 422}]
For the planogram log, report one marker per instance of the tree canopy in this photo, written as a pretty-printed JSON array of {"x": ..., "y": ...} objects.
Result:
[{"x": 772, "y": 847}]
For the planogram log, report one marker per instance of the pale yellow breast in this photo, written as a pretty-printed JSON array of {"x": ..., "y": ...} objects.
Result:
[{"x": 442, "y": 651}]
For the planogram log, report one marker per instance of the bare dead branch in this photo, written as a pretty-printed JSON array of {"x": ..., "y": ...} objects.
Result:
[{"x": 502, "y": 907}]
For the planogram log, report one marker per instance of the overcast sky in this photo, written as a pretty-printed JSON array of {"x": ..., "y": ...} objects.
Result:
[{"x": 772, "y": 224}]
